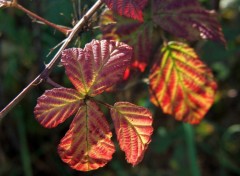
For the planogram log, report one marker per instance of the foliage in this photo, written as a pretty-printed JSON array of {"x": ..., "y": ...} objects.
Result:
[
  {"x": 87, "y": 145},
  {"x": 189, "y": 18},
  {"x": 132, "y": 8},
  {"x": 179, "y": 82}
]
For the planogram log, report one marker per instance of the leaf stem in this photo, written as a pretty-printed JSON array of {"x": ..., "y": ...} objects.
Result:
[
  {"x": 45, "y": 73},
  {"x": 53, "y": 83},
  {"x": 101, "y": 102}
]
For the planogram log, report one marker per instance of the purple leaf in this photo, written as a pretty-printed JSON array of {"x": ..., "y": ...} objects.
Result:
[{"x": 187, "y": 19}]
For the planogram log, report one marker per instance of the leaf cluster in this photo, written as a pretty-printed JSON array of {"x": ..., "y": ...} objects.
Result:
[{"x": 153, "y": 39}]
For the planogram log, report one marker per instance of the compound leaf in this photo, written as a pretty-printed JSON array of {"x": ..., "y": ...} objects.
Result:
[
  {"x": 133, "y": 125},
  {"x": 181, "y": 83},
  {"x": 56, "y": 105},
  {"x": 87, "y": 144},
  {"x": 128, "y": 8},
  {"x": 96, "y": 67},
  {"x": 187, "y": 19}
]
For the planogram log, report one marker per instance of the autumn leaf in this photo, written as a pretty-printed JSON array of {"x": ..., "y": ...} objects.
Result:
[
  {"x": 128, "y": 8},
  {"x": 187, "y": 19},
  {"x": 96, "y": 67},
  {"x": 56, "y": 105},
  {"x": 181, "y": 84},
  {"x": 115, "y": 27},
  {"x": 138, "y": 35},
  {"x": 133, "y": 126},
  {"x": 87, "y": 145}
]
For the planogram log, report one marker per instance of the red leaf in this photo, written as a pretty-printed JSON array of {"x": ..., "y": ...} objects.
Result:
[
  {"x": 135, "y": 34},
  {"x": 56, "y": 105},
  {"x": 187, "y": 19},
  {"x": 133, "y": 125},
  {"x": 128, "y": 8},
  {"x": 181, "y": 83},
  {"x": 96, "y": 67},
  {"x": 115, "y": 27},
  {"x": 87, "y": 145}
]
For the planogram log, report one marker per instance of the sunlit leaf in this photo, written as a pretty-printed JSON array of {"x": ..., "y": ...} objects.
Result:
[
  {"x": 187, "y": 19},
  {"x": 181, "y": 83},
  {"x": 98, "y": 66},
  {"x": 133, "y": 125},
  {"x": 56, "y": 105},
  {"x": 128, "y": 8},
  {"x": 87, "y": 145},
  {"x": 138, "y": 35}
]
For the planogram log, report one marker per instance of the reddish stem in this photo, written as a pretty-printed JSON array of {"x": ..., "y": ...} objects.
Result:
[
  {"x": 101, "y": 102},
  {"x": 64, "y": 30}
]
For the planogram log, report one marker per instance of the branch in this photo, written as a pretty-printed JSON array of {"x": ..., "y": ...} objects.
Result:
[
  {"x": 15, "y": 4},
  {"x": 64, "y": 30},
  {"x": 45, "y": 73}
]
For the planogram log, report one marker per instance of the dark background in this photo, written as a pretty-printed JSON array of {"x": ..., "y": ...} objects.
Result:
[{"x": 26, "y": 148}]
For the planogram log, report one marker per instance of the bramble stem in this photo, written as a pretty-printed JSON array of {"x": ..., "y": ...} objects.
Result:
[{"x": 45, "y": 73}]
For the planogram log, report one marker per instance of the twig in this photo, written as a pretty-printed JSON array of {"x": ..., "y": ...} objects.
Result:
[
  {"x": 55, "y": 47},
  {"x": 63, "y": 29},
  {"x": 14, "y": 4},
  {"x": 52, "y": 83},
  {"x": 45, "y": 73}
]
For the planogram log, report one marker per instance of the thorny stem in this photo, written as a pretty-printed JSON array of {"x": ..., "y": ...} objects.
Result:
[{"x": 45, "y": 73}]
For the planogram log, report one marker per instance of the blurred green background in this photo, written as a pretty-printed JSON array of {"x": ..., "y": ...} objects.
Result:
[{"x": 177, "y": 149}]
